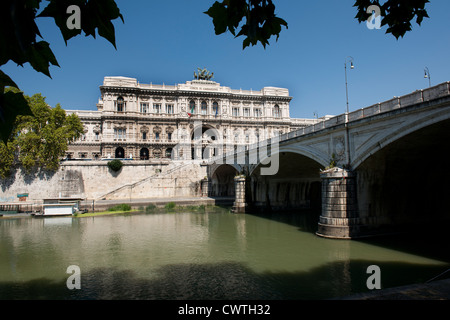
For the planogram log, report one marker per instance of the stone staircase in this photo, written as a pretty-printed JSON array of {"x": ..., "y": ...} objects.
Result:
[{"x": 138, "y": 187}]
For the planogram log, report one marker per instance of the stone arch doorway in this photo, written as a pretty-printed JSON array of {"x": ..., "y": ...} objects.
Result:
[
  {"x": 203, "y": 139},
  {"x": 120, "y": 153},
  {"x": 144, "y": 154},
  {"x": 168, "y": 153}
]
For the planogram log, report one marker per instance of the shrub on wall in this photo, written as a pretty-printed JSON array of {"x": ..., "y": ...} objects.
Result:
[{"x": 115, "y": 165}]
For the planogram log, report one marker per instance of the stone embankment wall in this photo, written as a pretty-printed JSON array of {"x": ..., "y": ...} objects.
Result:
[{"x": 94, "y": 180}]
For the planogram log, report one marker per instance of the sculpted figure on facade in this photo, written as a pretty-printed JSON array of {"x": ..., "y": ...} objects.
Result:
[{"x": 203, "y": 74}]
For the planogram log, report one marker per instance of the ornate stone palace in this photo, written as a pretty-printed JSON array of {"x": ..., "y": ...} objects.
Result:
[{"x": 150, "y": 122}]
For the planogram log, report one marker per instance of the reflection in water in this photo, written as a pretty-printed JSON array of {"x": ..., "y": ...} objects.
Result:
[{"x": 196, "y": 256}]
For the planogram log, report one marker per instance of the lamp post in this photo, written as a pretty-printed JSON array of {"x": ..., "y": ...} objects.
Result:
[
  {"x": 347, "y": 138},
  {"x": 349, "y": 59},
  {"x": 427, "y": 75}
]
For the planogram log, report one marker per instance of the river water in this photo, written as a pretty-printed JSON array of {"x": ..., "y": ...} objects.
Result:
[{"x": 202, "y": 256}]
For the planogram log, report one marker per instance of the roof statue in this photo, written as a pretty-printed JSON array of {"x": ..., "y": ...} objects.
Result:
[{"x": 203, "y": 74}]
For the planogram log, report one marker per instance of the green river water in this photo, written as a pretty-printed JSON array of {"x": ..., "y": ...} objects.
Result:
[{"x": 203, "y": 256}]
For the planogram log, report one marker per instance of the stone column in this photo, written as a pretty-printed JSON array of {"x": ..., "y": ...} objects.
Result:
[
  {"x": 339, "y": 218},
  {"x": 205, "y": 187},
  {"x": 239, "y": 205}
]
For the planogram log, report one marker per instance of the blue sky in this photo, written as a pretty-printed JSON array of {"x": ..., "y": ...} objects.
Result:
[{"x": 165, "y": 42}]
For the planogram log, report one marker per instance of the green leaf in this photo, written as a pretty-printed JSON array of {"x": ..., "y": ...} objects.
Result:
[
  {"x": 18, "y": 29},
  {"x": 6, "y": 81},
  {"x": 396, "y": 14},
  {"x": 57, "y": 9},
  {"x": 94, "y": 15},
  {"x": 260, "y": 21},
  {"x": 218, "y": 12},
  {"x": 41, "y": 56},
  {"x": 99, "y": 15},
  {"x": 12, "y": 104}
]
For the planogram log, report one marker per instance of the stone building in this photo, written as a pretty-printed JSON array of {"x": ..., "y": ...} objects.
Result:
[{"x": 155, "y": 122}]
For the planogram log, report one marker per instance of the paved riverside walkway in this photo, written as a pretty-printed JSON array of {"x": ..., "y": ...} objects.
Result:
[
  {"x": 436, "y": 290},
  {"x": 100, "y": 205}
]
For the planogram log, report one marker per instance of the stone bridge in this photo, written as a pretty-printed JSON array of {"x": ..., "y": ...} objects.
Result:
[{"x": 364, "y": 172}]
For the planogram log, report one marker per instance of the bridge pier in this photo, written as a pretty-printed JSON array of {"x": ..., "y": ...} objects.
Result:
[
  {"x": 339, "y": 218},
  {"x": 240, "y": 205}
]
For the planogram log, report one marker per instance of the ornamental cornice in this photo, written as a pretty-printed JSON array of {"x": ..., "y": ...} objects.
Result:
[{"x": 187, "y": 93}]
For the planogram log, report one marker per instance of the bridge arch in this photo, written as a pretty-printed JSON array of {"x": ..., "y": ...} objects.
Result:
[
  {"x": 222, "y": 180},
  {"x": 295, "y": 186},
  {"x": 314, "y": 155},
  {"x": 406, "y": 180},
  {"x": 387, "y": 137}
]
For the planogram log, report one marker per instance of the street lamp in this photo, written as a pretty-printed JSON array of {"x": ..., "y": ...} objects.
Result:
[
  {"x": 347, "y": 136},
  {"x": 427, "y": 75},
  {"x": 348, "y": 60}
]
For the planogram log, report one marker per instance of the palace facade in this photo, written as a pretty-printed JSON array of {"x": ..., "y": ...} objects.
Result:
[{"x": 154, "y": 122}]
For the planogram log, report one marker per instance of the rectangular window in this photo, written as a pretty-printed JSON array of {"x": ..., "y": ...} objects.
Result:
[
  {"x": 120, "y": 133},
  {"x": 258, "y": 113},
  {"x": 235, "y": 112},
  {"x": 157, "y": 136},
  {"x": 157, "y": 108},
  {"x": 169, "y": 109},
  {"x": 169, "y": 136},
  {"x": 144, "y": 108},
  {"x": 97, "y": 136},
  {"x": 246, "y": 112},
  {"x": 144, "y": 135}
]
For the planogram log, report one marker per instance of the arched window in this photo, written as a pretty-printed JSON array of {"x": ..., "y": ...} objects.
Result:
[
  {"x": 169, "y": 153},
  {"x": 192, "y": 107},
  {"x": 276, "y": 112},
  {"x": 204, "y": 108},
  {"x": 215, "y": 109},
  {"x": 120, "y": 105}
]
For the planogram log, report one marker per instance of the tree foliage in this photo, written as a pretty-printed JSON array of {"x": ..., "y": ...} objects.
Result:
[
  {"x": 258, "y": 22},
  {"x": 115, "y": 165},
  {"x": 396, "y": 14},
  {"x": 19, "y": 42},
  {"x": 41, "y": 139}
]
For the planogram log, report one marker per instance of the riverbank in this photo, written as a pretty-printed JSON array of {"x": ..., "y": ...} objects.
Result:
[
  {"x": 170, "y": 207},
  {"x": 91, "y": 205},
  {"x": 127, "y": 208},
  {"x": 104, "y": 205}
]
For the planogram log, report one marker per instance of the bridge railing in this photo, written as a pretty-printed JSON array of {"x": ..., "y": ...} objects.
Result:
[{"x": 436, "y": 92}]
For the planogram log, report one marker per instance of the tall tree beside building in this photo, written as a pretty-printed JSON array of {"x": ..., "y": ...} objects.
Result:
[
  {"x": 20, "y": 41},
  {"x": 39, "y": 140}
]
